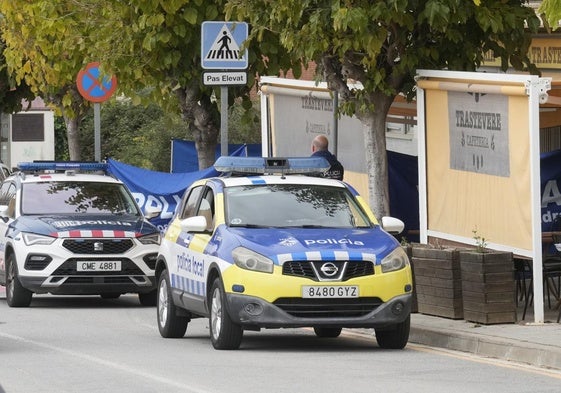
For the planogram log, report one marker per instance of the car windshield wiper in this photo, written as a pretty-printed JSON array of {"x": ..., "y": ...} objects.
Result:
[{"x": 251, "y": 226}]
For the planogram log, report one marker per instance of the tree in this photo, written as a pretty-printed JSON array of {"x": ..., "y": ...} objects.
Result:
[
  {"x": 382, "y": 43},
  {"x": 45, "y": 45},
  {"x": 11, "y": 95},
  {"x": 156, "y": 45}
]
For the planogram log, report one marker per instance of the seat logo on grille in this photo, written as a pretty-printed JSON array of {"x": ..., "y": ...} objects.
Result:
[
  {"x": 98, "y": 246},
  {"x": 329, "y": 269}
]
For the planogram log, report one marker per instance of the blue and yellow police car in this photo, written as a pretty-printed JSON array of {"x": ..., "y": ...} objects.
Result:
[
  {"x": 269, "y": 245},
  {"x": 69, "y": 228}
]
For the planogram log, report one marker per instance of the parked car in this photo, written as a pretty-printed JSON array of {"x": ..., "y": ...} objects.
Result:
[
  {"x": 72, "y": 229},
  {"x": 278, "y": 249}
]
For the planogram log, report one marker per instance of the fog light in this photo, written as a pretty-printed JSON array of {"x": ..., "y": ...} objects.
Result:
[
  {"x": 397, "y": 308},
  {"x": 408, "y": 288},
  {"x": 253, "y": 309}
]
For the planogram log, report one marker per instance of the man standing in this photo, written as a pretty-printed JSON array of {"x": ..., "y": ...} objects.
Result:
[{"x": 320, "y": 146}]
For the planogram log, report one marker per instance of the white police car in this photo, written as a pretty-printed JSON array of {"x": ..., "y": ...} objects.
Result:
[
  {"x": 67, "y": 228},
  {"x": 281, "y": 251}
]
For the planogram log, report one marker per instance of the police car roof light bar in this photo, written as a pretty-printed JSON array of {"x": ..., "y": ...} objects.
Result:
[
  {"x": 37, "y": 166},
  {"x": 271, "y": 165}
]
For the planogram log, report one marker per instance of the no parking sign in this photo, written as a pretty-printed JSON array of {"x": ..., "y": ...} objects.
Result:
[{"x": 92, "y": 87}]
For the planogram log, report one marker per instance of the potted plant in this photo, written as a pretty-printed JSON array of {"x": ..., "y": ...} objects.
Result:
[{"x": 488, "y": 287}]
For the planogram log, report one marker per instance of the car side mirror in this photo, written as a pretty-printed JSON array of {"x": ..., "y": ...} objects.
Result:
[
  {"x": 4, "y": 213},
  {"x": 151, "y": 212},
  {"x": 393, "y": 225},
  {"x": 194, "y": 224}
]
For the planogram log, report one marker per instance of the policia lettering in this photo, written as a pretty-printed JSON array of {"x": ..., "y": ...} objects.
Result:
[{"x": 188, "y": 264}]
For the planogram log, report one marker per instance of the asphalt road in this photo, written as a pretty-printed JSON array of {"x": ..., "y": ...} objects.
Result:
[{"x": 86, "y": 344}]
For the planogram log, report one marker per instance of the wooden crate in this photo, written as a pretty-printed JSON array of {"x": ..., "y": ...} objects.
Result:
[
  {"x": 437, "y": 277},
  {"x": 488, "y": 287}
]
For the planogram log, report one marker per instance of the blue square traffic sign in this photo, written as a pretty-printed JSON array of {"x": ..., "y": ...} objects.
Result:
[{"x": 221, "y": 43}]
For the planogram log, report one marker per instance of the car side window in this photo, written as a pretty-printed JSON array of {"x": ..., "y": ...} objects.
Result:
[
  {"x": 8, "y": 197},
  {"x": 190, "y": 206},
  {"x": 206, "y": 208}
]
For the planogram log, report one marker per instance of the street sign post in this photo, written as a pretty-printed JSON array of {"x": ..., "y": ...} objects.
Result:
[
  {"x": 221, "y": 50},
  {"x": 95, "y": 87}
]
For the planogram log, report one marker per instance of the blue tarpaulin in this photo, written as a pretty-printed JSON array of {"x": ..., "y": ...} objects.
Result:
[{"x": 184, "y": 154}]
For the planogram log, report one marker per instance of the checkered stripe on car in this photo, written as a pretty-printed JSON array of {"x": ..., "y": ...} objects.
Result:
[
  {"x": 94, "y": 233},
  {"x": 325, "y": 256},
  {"x": 188, "y": 285}
]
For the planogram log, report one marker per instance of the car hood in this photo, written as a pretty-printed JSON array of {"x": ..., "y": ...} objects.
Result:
[
  {"x": 85, "y": 225},
  {"x": 306, "y": 244}
]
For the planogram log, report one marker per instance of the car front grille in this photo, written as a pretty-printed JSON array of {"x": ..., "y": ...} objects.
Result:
[
  {"x": 313, "y": 271},
  {"x": 98, "y": 246},
  {"x": 328, "y": 308},
  {"x": 68, "y": 268}
]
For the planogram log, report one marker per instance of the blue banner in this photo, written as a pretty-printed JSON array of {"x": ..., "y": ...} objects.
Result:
[
  {"x": 184, "y": 154},
  {"x": 157, "y": 189}
]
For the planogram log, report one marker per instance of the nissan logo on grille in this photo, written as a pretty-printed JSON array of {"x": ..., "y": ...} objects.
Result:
[
  {"x": 98, "y": 246},
  {"x": 329, "y": 269}
]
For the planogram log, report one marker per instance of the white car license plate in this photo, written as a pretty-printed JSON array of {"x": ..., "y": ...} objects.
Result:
[
  {"x": 98, "y": 266},
  {"x": 331, "y": 291}
]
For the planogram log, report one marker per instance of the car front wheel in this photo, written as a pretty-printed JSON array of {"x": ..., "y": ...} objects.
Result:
[
  {"x": 16, "y": 294},
  {"x": 170, "y": 324},
  {"x": 395, "y": 337},
  {"x": 224, "y": 333}
]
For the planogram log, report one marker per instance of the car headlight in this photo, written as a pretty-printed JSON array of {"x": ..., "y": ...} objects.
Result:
[
  {"x": 33, "y": 239},
  {"x": 250, "y": 260},
  {"x": 153, "y": 238},
  {"x": 396, "y": 260}
]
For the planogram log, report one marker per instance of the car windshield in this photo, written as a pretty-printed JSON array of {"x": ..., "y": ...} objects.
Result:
[
  {"x": 289, "y": 205},
  {"x": 76, "y": 197}
]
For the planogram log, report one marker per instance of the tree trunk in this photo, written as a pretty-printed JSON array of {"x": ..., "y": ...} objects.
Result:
[
  {"x": 374, "y": 130},
  {"x": 73, "y": 135},
  {"x": 199, "y": 111}
]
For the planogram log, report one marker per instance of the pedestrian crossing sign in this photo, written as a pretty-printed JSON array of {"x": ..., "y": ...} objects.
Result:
[{"x": 221, "y": 44}]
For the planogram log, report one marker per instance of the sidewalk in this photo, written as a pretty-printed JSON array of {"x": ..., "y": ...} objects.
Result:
[{"x": 524, "y": 342}]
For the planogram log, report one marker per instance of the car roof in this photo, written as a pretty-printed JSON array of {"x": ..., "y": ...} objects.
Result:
[
  {"x": 277, "y": 179},
  {"x": 86, "y": 177}
]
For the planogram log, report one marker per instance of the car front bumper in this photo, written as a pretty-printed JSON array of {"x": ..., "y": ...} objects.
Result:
[
  {"x": 254, "y": 313},
  {"x": 89, "y": 285}
]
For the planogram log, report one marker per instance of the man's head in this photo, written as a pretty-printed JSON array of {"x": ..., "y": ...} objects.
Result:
[{"x": 319, "y": 143}]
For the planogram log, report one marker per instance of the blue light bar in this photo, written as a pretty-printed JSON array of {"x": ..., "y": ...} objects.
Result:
[
  {"x": 61, "y": 166},
  {"x": 271, "y": 165}
]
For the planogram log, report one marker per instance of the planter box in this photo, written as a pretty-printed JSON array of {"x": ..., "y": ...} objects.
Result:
[
  {"x": 408, "y": 251},
  {"x": 488, "y": 287},
  {"x": 437, "y": 277}
]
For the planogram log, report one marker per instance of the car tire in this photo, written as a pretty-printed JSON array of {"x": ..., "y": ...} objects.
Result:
[
  {"x": 327, "y": 332},
  {"x": 16, "y": 294},
  {"x": 170, "y": 324},
  {"x": 395, "y": 337},
  {"x": 148, "y": 299},
  {"x": 224, "y": 333}
]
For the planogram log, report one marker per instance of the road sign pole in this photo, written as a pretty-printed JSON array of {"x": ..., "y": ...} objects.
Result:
[
  {"x": 224, "y": 120},
  {"x": 97, "y": 131}
]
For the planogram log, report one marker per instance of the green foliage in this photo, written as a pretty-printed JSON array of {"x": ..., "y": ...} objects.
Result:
[
  {"x": 551, "y": 12},
  {"x": 141, "y": 135},
  {"x": 61, "y": 142},
  {"x": 480, "y": 242},
  {"x": 135, "y": 134}
]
